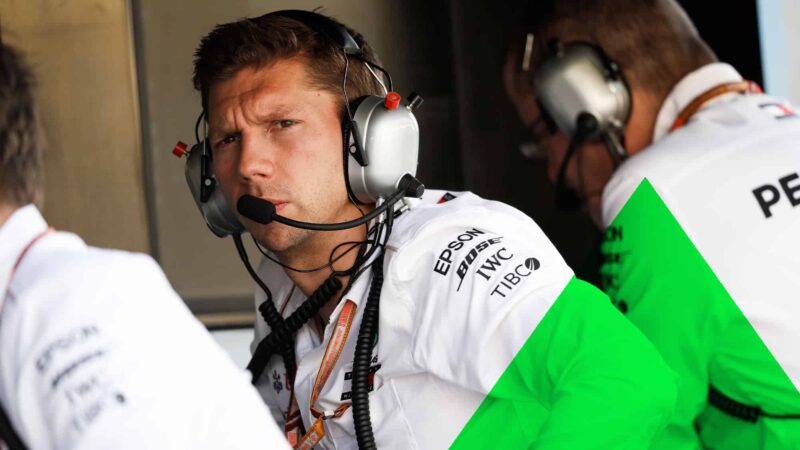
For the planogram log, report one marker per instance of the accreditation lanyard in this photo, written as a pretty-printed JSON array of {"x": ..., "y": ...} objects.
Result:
[
  {"x": 739, "y": 87},
  {"x": 332, "y": 353}
]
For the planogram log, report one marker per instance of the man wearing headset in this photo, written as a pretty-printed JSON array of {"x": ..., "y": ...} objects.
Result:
[
  {"x": 96, "y": 349},
  {"x": 701, "y": 245},
  {"x": 483, "y": 338}
]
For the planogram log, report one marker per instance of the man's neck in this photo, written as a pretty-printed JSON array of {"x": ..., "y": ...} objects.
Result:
[
  {"x": 342, "y": 246},
  {"x": 5, "y": 212},
  {"x": 639, "y": 130}
]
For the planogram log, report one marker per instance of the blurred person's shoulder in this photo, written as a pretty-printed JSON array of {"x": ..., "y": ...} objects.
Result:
[{"x": 721, "y": 144}]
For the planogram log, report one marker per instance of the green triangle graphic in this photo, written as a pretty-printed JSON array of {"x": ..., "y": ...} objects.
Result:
[
  {"x": 654, "y": 273},
  {"x": 563, "y": 389}
]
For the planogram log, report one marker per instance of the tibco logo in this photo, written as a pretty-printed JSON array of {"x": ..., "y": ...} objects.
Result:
[{"x": 516, "y": 276}]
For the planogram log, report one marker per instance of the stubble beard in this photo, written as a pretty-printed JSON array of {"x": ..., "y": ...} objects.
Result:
[
  {"x": 281, "y": 239},
  {"x": 286, "y": 241}
]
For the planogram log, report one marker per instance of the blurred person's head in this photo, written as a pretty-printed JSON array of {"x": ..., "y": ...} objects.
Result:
[
  {"x": 21, "y": 138},
  {"x": 652, "y": 41}
]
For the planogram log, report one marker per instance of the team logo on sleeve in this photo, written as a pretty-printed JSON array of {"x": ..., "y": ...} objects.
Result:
[
  {"x": 478, "y": 241},
  {"x": 447, "y": 256},
  {"x": 513, "y": 277},
  {"x": 490, "y": 260}
]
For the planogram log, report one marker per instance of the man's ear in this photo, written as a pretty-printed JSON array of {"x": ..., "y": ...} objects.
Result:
[{"x": 645, "y": 106}]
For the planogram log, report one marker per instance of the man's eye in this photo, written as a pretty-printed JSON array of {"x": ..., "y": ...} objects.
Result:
[
  {"x": 227, "y": 140},
  {"x": 285, "y": 123}
]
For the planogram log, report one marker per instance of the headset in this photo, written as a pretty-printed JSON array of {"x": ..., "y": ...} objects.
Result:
[
  {"x": 582, "y": 92},
  {"x": 380, "y": 136},
  {"x": 381, "y": 146}
]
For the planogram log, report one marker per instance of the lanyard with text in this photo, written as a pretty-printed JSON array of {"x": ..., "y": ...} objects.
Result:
[
  {"x": 332, "y": 353},
  {"x": 739, "y": 87}
]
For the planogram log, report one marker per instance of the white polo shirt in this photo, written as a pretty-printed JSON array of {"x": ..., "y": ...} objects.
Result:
[
  {"x": 467, "y": 283},
  {"x": 725, "y": 312},
  {"x": 98, "y": 352}
]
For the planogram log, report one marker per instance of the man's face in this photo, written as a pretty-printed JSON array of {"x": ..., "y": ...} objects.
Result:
[
  {"x": 590, "y": 167},
  {"x": 276, "y": 137}
]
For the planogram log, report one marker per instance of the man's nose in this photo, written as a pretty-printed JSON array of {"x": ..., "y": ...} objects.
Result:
[{"x": 256, "y": 158}]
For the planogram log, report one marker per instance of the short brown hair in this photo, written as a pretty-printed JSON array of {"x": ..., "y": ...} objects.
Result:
[
  {"x": 261, "y": 41},
  {"x": 653, "y": 41},
  {"x": 21, "y": 138}
]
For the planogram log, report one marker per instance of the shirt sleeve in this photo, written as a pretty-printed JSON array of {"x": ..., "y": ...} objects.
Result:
[
  {"x": 500, "y": 313},
  {"x": 106, "y": 355}
]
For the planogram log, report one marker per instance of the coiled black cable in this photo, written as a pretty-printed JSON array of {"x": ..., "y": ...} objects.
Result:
[
  {"x": 282, "y": 331},
  {"x": 367, "y": 335},
  {"x": 286, "y": 345},
  {"x": 363, "y": 358},
  {"x": 741, "y": 411},
  {"x": 270, "y": 314},
  {"x": 278, "y": 336}
]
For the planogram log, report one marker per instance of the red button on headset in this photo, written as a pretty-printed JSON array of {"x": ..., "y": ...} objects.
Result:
[
  {"x": 180, "y": 149},
  {"x": 392, "y": 100}
]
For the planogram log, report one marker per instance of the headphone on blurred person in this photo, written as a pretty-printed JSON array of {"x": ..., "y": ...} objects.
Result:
[
  {"x": 582, "y": 92},
  {"x": 380, "y": 136}
]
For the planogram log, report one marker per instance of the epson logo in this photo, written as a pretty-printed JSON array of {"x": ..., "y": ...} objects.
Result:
[{"x": 445, "y": 259}]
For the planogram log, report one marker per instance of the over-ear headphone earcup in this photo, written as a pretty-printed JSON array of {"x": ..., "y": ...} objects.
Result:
[
  {"x": 215, "y": 211},
  {"x": 581, "y": 78},
  {"x": 390, "y": 143},
  {"x": 349, "y": 143}
]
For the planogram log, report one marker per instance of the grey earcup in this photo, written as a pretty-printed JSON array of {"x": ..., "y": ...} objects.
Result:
[
  {"x": 579, "y": 78},
  {"x": 390, "y": 141},
  {"x": 215, "y": 211}
]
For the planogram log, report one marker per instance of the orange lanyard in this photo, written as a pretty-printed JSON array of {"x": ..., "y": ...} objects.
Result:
[
  {"x": 740, "y": 87},
  {"x": 332, "y": 353},
  {"x": 19, "y": 261}
]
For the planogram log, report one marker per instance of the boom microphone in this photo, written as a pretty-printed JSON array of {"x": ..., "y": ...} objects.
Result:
[
  {"x": 256, "y": 209},
  {"x": 263, "y": 211}
]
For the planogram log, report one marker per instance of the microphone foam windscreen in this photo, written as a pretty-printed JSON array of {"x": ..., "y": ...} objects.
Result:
[{"x": 255, "y": 209}]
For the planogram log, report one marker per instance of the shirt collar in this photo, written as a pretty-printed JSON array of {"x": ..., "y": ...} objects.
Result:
[
  {"x": 690, "y": 87},
  {"x": 18, "y": 231}
]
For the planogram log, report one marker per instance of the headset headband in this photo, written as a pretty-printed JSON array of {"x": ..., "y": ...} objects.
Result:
[{"x": 335, "y": 32}]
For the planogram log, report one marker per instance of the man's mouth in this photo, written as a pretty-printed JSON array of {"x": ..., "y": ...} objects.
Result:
[{"x": 279, "y": 204}]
